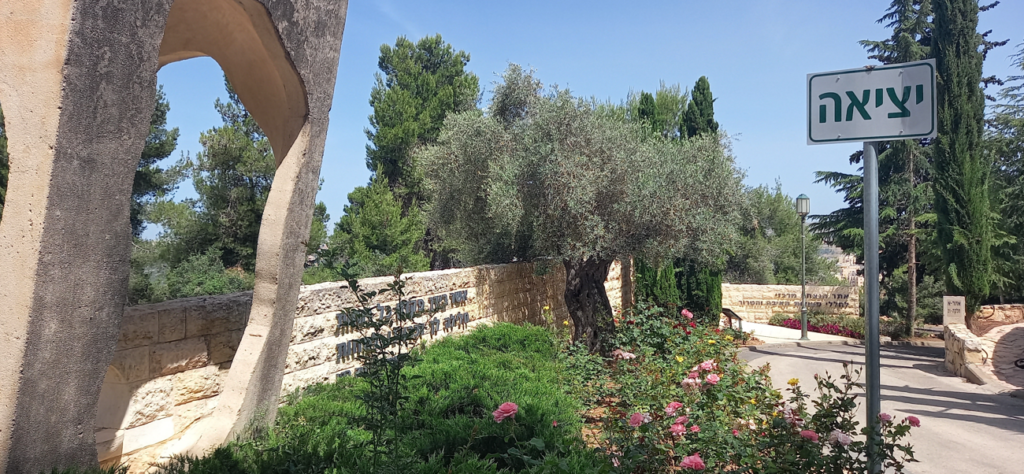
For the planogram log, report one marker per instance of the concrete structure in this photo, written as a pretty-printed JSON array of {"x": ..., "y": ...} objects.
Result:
[
  {"x": 77, "y": 83},
  {"x": 758, "y": 303},
  {"x": 173, "y": 359}
]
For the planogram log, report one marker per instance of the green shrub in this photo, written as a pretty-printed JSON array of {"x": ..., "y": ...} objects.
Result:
[
  {"x": 656, "y": 284},
  {"x": 447, "y": 424},
  {"x": 700, "y": 291}
]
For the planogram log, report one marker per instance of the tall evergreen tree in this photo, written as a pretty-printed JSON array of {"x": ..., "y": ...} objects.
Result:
[
  {"x": 961, "y": 173},
  {"x": 374, "y": 235},
  {"x": 232, "y": 177},
  {"x": 700, "y": 114},
  {"x": 417, "y": 86},
  {"x": 151, "y": 180},
  {"x": 1006, "y": 140},
  {"x": 648, "y": 112},
  {"x": 910, "y": 21}
]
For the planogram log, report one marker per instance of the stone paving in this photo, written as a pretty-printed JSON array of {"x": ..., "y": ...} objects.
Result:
[{"x": 1005, "y": 346}]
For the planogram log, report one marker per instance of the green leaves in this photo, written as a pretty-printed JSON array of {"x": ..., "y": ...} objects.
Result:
[
  {"x": 374, "y": 235},
  {"x": 419, "y": 84}
]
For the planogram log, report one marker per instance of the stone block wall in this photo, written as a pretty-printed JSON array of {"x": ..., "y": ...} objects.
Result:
[
  {"x": 964, "y": 349},
  {"x": 758, "y": 303},
  {"x": 172, "y": 357},
  {"x": 1007, "y": 313}
]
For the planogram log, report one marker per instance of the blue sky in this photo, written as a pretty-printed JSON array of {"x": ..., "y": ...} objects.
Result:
[{"x": 756, "y": 55}]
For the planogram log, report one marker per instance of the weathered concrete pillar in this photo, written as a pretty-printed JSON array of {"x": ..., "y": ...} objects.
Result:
[{"x": 77, "y": 84}]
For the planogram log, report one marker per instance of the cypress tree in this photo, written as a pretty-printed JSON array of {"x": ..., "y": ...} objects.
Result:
[
  {"x": 657, "y": 284},
  {"x": 961, "y": 175},
  {"x": 647, "y": 111},
  {"x": 700, "y": 114}
]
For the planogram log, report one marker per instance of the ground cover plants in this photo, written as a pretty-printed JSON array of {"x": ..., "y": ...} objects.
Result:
[{"x": 505, "y": 398}]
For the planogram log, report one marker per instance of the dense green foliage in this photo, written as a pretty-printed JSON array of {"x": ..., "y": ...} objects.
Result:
[
  {"x": 418, "y": 85},
  {"x": 374, "y": 235},
  {"x": 1006, "y": 141},
  {"x": 545, "y": 175},
  {"x": 768, "y": 249},
  {"x": 656, "y": 283},
  {"x": 5, "y": 167},
  {"x": 961, "y": 176},
  {"x": 151, "y": 181},
  {"x": 700, "y": 290},
  {"x": 700, "y": 114},
  {"x": 447, "y": 424},
  {"x": 232, "y": 178}
]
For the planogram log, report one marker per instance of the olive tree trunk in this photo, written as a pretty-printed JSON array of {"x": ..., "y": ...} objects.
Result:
[{"x": 588, "y": 304}]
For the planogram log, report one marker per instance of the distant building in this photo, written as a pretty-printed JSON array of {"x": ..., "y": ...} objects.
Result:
[{"x": 847, "y": 268}]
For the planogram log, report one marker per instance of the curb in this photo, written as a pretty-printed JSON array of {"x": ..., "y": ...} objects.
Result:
[{"x": 784, "y": 345}]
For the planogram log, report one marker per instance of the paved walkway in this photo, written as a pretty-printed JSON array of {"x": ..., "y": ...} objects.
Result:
[
  {"x": 777, "y": 334},
  {"x": 1005, "y": 346},
  {"x": 965, "y": 428}
]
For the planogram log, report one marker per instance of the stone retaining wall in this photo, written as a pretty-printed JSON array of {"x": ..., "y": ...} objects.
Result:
[
  {"x": 1008, "y": 313},
  {"x": 965, "y": 352},
  {"x": 758, "y": 303},
  {"x": 172, "y": 357}
]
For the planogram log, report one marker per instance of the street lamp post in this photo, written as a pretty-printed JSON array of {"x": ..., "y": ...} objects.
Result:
[{"x": 803, "y": 207}]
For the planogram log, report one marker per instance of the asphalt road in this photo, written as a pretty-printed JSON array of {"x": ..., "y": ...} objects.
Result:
[{"x": 965, "y": 428}]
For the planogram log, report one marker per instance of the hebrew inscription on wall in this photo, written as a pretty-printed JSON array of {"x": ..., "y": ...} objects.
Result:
[{"x": 757, "y": 303}]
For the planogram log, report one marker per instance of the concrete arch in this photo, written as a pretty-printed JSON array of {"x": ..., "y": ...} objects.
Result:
[
  {"x": 78, "y": 79},
  {"x": 240, "y": 36}
]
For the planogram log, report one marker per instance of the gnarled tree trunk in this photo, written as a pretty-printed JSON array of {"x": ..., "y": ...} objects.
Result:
[{"x": 587, "y": 302}]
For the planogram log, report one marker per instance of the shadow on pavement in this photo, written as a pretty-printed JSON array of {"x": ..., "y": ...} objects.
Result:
[{"x": 1008, "y": 351}]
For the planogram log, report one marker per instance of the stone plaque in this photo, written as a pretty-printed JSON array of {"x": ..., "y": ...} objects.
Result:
[{"x": 954, "y": 310}]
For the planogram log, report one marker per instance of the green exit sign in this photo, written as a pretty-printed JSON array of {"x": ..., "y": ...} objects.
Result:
[{"x": 893, "y": 102}]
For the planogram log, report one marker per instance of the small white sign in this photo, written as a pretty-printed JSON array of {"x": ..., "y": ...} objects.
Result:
[
  {"x": 954, "y": 310},
  {"x": 894, "y": 102}
]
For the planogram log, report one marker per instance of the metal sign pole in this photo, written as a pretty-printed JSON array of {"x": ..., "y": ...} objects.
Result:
[{"x": 871, "y": 293}]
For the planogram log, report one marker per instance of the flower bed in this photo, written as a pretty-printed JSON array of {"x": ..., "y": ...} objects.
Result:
[{"x": 503, "y": 399}]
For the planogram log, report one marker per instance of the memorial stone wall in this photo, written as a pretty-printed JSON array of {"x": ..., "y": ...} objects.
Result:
[
  {"x": 758, "y": 303},
  {"x": 172, "y": 358}
]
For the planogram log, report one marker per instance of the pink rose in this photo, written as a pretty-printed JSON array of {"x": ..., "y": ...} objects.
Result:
[
  {"x": 914, "y": 421},
  {"x": 682, "y": 420},
  {"x": 707, "y": 365},
  {"x": 838, "y": 437},
  {"x": 506, "y": 410},
  {"x": 638, "y": 419},
  {"x": 884, "y": 417},
  {"x": 615, "y": 461},
  {"x": 713, "y": 379},
  {"x": 691, "y": 384},
  {"x": 688, "y": 315},
  {"x": 554, "y": 423},
  {"x": 735, "y": 432},
  {"x": 677, "y": 429},
  {"x": 695, "y": 429},
  {"x": 693, "y": 462},
  {"x": 694, "y": 375},
  {"x": 808, "y": 434},
  {"x": 670, "y": 410}
]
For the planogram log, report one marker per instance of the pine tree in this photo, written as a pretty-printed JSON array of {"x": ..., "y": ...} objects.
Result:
[
  {"x": 648, "y": 111},
  {"x": 417, "y": 86},
  {"x": 374, "y": 235},
  {"x": 961, "y": 174},
  {"x": 151, "y": 180},
  {"x": 700, "y": 114},
  {"x": 910, "y": 21}
]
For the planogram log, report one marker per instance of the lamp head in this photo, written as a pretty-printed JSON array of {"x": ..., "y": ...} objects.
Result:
[{"x": 803, "y": 205}]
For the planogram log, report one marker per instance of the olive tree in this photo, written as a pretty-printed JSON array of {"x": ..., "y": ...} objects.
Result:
[{"x": 541, "y": 175}]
